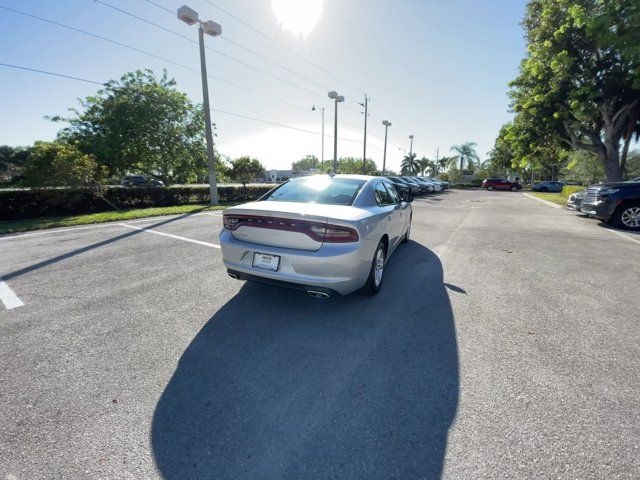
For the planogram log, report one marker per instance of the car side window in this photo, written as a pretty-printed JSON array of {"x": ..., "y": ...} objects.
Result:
[
  {"x": 382, "y": 196},
  {"x": 393, "y": 193}
]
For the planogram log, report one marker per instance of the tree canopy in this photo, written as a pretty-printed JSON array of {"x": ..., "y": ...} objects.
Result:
[
  {"x": 579, "y": 85},
  {"x": 246, "y": 169},
  {"x": 141, "y": 124},
  {"x": 465, "y": 152},
  {"x": 310, "y": 162},
  {"x": 54, "y": 164}
]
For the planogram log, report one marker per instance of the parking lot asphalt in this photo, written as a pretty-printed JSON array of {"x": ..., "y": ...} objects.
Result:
[{"x": 505, "y": 344}]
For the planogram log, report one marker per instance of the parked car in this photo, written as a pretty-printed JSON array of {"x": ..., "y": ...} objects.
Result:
[
  {"x": 444, "y": 184},
  {"x": 574, "y": 201},
  {"x": 421, "y": 187},
  {"x": 323, "y": 234},
  {"x": 402, "y": 187},
  {"x": 500, "y": 184},
  {"x": 547, "y": 186},
  {"x": 617, "y": 202},
  {"x": 140, "y": 181},
  {"x": 414, "y": 189},
  {"x": 428, "y": 185},
  {"x": 437, "y": 186}
]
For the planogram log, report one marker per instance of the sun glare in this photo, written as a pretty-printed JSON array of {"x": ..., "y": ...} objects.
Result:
[{"x": 299, "y": 17}]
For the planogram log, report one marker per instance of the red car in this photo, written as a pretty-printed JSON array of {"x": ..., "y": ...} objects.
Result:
[{"x": 500, "y": 184}]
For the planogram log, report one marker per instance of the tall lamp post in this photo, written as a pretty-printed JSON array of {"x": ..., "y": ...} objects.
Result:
[
  {"x": 411, "y": 147},
  {"x": 314, "y": 108},
  {"x": 333, "y": 95},
  {"x": 386, "y": 124},
  {"x": 364, "y": 153},
  {"x": 190, "y": 17}
]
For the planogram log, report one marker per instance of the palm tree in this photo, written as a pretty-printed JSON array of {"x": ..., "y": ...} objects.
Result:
[
  {"x": 425, "y": 164},
  {"x": 443, "y": 163},
  {"x": 466, "y": 151},
  {"x": 409, "y": 164}
]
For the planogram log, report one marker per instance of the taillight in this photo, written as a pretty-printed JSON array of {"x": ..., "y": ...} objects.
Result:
[
  {"x": 229, "y": 222},
  {"x": 335, "y": 233},
  {"x": 320, "y": 232}
]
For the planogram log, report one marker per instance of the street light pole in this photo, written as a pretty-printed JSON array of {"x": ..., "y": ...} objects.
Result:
[
  {"x": 190, "y": 17},
  {"x": 333, "y": 95},
  {"x": 386, "y": 124},
  {"x": 411, "y": 147},
  {"x": 322, "y": 148},
  {"x": 364, "y": 154}
]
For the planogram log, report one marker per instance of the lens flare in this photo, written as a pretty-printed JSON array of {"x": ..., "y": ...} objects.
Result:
[{"x": 299, "y": 17}]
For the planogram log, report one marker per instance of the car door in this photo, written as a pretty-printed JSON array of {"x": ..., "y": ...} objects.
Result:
[
  {"x": 399, "y": 220},
  {"x": 386, "y": 209}
]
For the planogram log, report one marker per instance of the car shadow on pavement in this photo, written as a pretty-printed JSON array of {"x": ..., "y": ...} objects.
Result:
[{"x": 281, "y": 385}]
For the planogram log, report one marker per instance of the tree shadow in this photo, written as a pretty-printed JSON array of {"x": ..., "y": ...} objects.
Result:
[{"x": 281, "y": 385}]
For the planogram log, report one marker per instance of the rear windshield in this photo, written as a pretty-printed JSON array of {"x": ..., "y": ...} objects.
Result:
[{"x": 318, "y": 189}]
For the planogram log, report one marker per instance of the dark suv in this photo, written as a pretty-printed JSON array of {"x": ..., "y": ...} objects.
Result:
[
  {"x": 140, "y": 181},
  {"x": 500, "y": 184},
  {"x": 617, "y": 202}
]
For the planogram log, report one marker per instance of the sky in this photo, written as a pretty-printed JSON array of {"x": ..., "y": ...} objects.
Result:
[{"x": 435, "y": 69}]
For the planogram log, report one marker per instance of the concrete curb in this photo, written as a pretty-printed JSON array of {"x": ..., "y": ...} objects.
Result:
[{"x": 546, "y": 202}]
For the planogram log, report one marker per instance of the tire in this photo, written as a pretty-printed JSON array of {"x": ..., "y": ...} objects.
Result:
[
  {"x": 543, "y": 189},
  {"x": 627, "y": 216},
  {"x": 514, "y": 189},
  {"x": 490, "y": 187},
  {"x": 374, "y": 281},
  {"x": 405, "y": 239}
]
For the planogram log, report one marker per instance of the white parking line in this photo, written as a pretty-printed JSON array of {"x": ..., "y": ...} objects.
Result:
[
  {"x": 634, "y": 240},
  {"x": 546, "y": 202},
  {"x": 177, "y": 237},
  {"x": 8, "y": 297},
  {"x": 101, "y": 225}
]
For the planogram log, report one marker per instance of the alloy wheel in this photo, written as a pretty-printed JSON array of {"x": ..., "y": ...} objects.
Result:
[
  {"x": 631, "y": 217},
  {"x": 379, "y": 267}
]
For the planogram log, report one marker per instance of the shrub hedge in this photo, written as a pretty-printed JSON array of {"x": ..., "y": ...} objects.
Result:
[{"x": 51, "y": 202}]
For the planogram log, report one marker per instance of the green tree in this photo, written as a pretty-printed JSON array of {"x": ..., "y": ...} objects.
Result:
[
  {"x": 13, "y": 161},
  {"x": 465, "y": 152},
  {"x": 245, "y": 170},
  {"x": 310, "y": 162},
  {"x": 427, "y": 165},
  {"x": 352, "y": 165},
  {"x": 410, "y": 165},
  {"x": 55, "y": 164},
  {"x": 141, "y": 124},
  {"x": 580, "y": 81}
]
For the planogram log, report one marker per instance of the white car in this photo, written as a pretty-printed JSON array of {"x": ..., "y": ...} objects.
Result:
[{"x": 323, "y": 234}]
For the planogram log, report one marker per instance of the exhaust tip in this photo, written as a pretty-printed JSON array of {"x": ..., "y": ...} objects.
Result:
[
  {"x": 233, "y": 275},
  {"x": 316, "y": 294}
]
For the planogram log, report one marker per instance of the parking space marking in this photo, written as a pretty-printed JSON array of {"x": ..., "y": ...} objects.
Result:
[
  {"x": 177, "y": 237},
  {"x": 634, "y": 240},
  {"x": 8, "y": 297},
  {"x": 541, "y": 200},
  {"x": 100, "y": 225}
]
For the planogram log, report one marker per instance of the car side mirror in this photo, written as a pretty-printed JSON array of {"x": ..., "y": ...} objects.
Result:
[{"x": 407, "y": 197}]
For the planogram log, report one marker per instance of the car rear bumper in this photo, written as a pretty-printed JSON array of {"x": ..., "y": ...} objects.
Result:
[{"x": 340, "y": 267}]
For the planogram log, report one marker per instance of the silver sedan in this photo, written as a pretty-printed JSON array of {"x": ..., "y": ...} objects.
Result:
[{"x": 322, "y": 234}]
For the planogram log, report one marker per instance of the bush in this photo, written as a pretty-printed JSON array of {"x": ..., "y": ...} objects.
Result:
[
  {"x": 19, "y": 204},
  {"x": 569, "y": 189}
]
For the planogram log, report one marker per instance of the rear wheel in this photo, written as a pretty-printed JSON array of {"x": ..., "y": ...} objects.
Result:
[
  {"x": 490, "y": 187},
  {"x": 407, "y": 233},
  {"x": 514, "y": 189},
  {"x": 543, "y": 189},
  {"x": 628, "y": 216},
  {"x": 374, "y": 282}
]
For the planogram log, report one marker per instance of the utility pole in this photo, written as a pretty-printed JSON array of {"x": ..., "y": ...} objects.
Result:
[
  {"x": 333, "y": 95},
  {"x": 190, "y": 17},
  {"x": 386, "y": 124},
  {"x": 364, "y": 154},
  {"x": 314, "y": 107},
  {"x": 411, "y": 146},
  {"x": 437, "y": 155},
  {"x": 211, "y": 161}
]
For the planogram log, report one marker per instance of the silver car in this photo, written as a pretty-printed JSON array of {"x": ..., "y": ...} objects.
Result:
[{"x": 323, "y": 234}]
